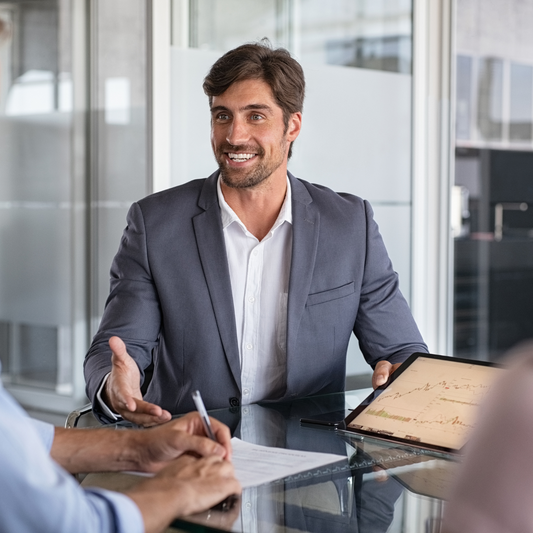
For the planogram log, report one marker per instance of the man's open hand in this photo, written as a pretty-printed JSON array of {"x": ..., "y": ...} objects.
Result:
[{"x": 122, "y": 391}]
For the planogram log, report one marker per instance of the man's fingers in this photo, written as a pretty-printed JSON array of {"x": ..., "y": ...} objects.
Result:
[
  {"x": 203, "y": 447},
  {"x": 382, "y": 373},
  {"x": 190, "y": 467},
  {"x": 205, "y": 467},
  {"x": 119, "y": 349},
  {"x": 143, "y": 413},
  {"x": 149, "y": 408},
  {"x": 128, "y": 404},
  {"x": 186, "y": 485},
  {"x": 192, "y": 424},
  {"x": 142, "y": 419},
  {"x": 223, "y": 436}
]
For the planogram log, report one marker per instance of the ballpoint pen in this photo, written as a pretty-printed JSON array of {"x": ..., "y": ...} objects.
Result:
[
  {"x": 200, "y": 407},
  {"x": 229, "y": 502}
]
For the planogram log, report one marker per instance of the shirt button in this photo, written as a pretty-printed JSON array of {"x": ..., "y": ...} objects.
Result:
[
  {"x": 255, "y": 252},
  {"x": 248, "y": 505},
  {"x": 246, "y": 391},
  {"x": 251, "y": 299},
  {"x": 249, "y": 346},
  {"x": 245, "y": 410}
]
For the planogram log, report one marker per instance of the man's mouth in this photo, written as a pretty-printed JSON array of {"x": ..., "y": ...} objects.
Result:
[{"x": 240, "y": 158}]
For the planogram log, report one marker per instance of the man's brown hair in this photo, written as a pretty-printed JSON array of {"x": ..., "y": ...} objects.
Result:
[{"x": 259, "y": 61}]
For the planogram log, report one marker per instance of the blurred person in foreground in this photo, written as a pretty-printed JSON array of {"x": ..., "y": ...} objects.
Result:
[
  {"x": 494, "y": 489},
  {"x": 38, "y": 495}
]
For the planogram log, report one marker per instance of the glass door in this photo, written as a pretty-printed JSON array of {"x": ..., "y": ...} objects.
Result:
[{"x": 492, "y": 211}]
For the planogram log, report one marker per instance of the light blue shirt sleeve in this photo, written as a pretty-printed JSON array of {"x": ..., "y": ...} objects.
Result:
[
  {"x": 38, "y": 495},
  {"x": 45, "y": 431}
]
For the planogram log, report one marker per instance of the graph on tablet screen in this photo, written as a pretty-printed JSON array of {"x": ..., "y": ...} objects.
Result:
[{"x": 431, "y": 402}]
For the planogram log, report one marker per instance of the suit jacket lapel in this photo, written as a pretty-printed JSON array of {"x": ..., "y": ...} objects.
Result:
[
  {"x": 212, "y": 250},
  {"x": 306, "y": 226}
]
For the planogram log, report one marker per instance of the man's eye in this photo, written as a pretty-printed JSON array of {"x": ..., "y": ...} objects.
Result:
[
  {"x": 255, "y": 117},
  {"x": 222, "y": 116}
]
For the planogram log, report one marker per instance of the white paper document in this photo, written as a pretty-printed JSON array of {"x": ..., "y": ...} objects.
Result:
[{"x": 255, "y": 465}]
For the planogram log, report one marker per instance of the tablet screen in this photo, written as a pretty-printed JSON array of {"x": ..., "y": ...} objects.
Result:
[{"x": 433, "y": 402}]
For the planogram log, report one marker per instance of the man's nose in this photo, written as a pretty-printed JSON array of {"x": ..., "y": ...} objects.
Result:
[{"x": 238, "y": 132}]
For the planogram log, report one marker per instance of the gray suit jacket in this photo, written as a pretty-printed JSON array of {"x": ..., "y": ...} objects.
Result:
[{"x": 171, "y": 299}]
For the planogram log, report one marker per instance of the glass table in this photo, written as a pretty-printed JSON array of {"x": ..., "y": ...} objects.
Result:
[{"x": 379, "y": 488}]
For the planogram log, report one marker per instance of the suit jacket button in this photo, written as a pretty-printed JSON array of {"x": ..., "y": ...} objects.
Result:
[{"x": 234, "y": 402}]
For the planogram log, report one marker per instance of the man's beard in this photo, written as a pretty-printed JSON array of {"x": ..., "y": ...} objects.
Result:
[{"x": 247, "y": 178}]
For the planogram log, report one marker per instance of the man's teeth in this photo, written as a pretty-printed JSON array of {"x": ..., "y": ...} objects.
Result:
[{"x": 239, "y": 158}]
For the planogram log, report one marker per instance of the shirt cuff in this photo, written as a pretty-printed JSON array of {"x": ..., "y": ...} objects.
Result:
[
  {"x": 102, "y": 404},
  {"x": 128, "y": 517}
]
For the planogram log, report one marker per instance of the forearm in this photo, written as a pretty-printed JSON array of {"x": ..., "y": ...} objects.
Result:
[{"x": 95, "y": 450}]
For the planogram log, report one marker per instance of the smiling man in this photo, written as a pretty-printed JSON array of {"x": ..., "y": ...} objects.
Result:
[{"x": 248, "y": 284}]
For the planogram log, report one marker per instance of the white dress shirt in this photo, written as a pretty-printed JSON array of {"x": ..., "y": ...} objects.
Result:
[{"x": 259, "y": 274}]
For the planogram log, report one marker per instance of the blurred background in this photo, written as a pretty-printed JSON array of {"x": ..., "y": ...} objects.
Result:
[{"x": 423, "y": 107}]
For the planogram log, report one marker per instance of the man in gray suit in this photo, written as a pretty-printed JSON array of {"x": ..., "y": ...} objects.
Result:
[{"x": 248, "y": 284}]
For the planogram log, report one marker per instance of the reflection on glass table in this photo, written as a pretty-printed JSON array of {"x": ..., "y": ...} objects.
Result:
[{"x": 380, "y": 487}]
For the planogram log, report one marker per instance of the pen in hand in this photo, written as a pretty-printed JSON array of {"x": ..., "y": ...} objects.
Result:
[
  {"x": 200, "y": 407},
  {"x": 230, "y": 501}
]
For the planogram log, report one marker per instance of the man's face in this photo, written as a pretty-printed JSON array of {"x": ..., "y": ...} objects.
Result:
[{"x": 248, "y": 135}]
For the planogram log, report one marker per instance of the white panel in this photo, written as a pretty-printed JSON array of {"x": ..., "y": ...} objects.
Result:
[
  {"x": 356, "y": 134},
  {"x": 117, "y": 100},
  {"x": 395, "y": 226},
  {"x": 35, "y": 220},
  {"x": 355, "y": 362},
  {"x": 191, "y": 154}
]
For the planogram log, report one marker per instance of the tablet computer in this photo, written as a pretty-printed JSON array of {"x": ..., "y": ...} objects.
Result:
[{"x": 431, "y": 401}]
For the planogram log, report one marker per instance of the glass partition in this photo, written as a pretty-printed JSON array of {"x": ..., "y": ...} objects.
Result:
[
  {"x": 40, "y": 218},
  {"x": 73, "y": 156},
  {"x": 119, "y": 131},
  {"x": 492, "y": 211}
]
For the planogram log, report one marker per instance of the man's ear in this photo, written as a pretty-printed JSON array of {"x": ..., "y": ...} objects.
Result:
[{"x": 294, "y": 127}]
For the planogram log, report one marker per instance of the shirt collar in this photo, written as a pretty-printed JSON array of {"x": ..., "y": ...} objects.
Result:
[{"x": 229, "y": 216}]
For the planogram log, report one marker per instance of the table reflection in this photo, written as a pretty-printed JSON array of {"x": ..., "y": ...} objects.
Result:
[{"x": 381, "y": 487}]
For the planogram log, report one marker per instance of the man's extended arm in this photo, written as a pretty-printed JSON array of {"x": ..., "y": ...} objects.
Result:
[
  {"x": 98, "y": 450},
  {"x": 184, "y": 483},
  {"x": 132, "y": 313}
]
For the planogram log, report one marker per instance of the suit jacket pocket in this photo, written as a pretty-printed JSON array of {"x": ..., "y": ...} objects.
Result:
[{"x": 331, "y": 294}]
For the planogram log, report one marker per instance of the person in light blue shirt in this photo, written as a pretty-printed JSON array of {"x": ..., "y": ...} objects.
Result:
[{"x": 37, "y": 494}]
